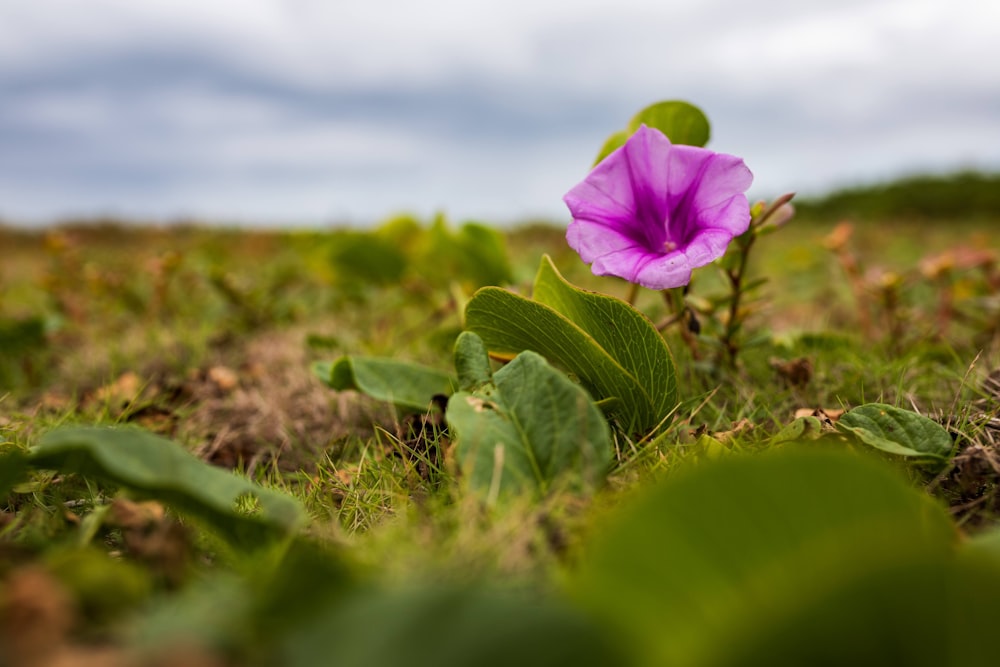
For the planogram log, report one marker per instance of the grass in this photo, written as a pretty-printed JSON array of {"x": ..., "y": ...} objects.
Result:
[{"x": 206, "y": 336}]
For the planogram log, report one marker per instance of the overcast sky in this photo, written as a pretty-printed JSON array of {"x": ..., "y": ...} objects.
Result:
[{"x": 313, "y": 111}]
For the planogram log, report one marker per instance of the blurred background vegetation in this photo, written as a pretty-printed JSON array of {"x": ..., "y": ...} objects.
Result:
[{"x": 967, "y": 195}]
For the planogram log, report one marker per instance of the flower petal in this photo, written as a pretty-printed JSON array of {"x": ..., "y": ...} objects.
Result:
[
  {"x": 732, "y": 216},
  {"x": 593, "y": 240},
  {"x": 723, "y": 177},
  {"x": 671, "y": 270},
  {"x": 707, "y": 246}
]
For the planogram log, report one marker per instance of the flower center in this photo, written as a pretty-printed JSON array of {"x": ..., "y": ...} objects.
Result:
[{"x": 669, "y": 246}]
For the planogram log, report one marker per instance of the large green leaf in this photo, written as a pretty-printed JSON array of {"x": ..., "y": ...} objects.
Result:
[
  {"x": 612, "y": 348},
  {"x": 530, "y": 429},
  {"x": 155, "y": 467},
  {"x": 104, "y": 587},
  {"x": 682, "y": 122},
  {"x": 897, "y": 431},
  {"x": 923, "y": 612},
  {"x": 279, "y": 590},
  {"x": 410, "y": 387},
  {"x": 625, "y": 333},
  {"x": 703, "y": 568},
  {"x": 445, "y": 626}
]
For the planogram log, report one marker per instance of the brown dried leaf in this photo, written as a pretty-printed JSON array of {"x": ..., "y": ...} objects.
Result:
[
  {"x": 740, "y": 427},
  {"x": 795, "y": 372},
  {"x": 825, "y": 415},
  {"x": 151, "y": 536},
  {"x": 839, "y": 237},
  {"x": 126, "y": 388},
  {"x": 128, "y": 514},
  {"x": 224, "y": 378},
  {"x": 36, "y": 615}
]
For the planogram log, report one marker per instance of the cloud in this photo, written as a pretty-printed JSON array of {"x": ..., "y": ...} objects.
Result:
[{"x": 304, "y": 110}]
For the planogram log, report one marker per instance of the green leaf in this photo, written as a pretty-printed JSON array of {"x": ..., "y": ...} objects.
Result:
[
  {"x": 13, "y": 471},
  {"x": 474, "y": 255},
  {"x": 683, "y": 123},
  {"x": 897, "y": 431},
  {"x": 410, "y": 387},
  {"x": 615, "y": 141},
  {"x": 280, "y": 589},
  {"x": 364, "y": 257},
  {"x": 803, "y": 428},
  {"x": 532, "y": 429},
  {"x": 703, "y": 568},
  {"x": 612, "y": 348},
  {"x": 625, "y": 333},
  {"x": 484, "y": 255},
  {"x": 19, "y": 337},
  {"x": 157, "y": 468},
  {"x": 444, "y": 626},
  {"x": 472, "y": 361},
  {"x": 103, "y": 587},
  {"x": 213, "y": 613},
  {"x": 402, "y": 232},
  {"x": 21, "y": 341},
  {"x": 986, "y": 542},
  {"x": 923, "y": 612}
]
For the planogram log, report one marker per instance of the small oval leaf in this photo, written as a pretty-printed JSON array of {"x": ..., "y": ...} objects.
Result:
[
  {"x": 410, "y": 387},
  {"x": 615, "y": 141},
  {"x": 682, "y": 122},
  {"x": 897, "y": 431}
]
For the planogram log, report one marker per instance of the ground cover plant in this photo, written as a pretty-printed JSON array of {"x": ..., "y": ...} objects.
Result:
[{"x": 753, "y": 438}]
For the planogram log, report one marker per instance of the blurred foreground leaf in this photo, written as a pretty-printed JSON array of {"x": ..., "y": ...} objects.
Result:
[
  {"x": 793, "y": 557},
  {"x": 279, "y": 591},
  {"x": 157, "y": 468},
  {"x": 447, "y": 627},
  {"x": 103, "y": 587}
]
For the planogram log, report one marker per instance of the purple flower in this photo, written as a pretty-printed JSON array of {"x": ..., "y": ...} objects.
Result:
[{"x": 651, "y": 211}]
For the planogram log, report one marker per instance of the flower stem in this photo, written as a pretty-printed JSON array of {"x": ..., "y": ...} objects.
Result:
[
  {"x": 633, "y": 293},
  {"x": 675, "y": 302},
  {"x": 736, "y": 276}
]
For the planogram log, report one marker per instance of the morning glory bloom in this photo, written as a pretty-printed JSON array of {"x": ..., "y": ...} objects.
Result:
[{"x": 652, "y": 211}]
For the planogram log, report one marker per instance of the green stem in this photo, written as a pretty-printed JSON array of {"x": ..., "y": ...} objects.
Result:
[
  {"x": 736, "y": 277},
  {"x": 633, "y": 293}
]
